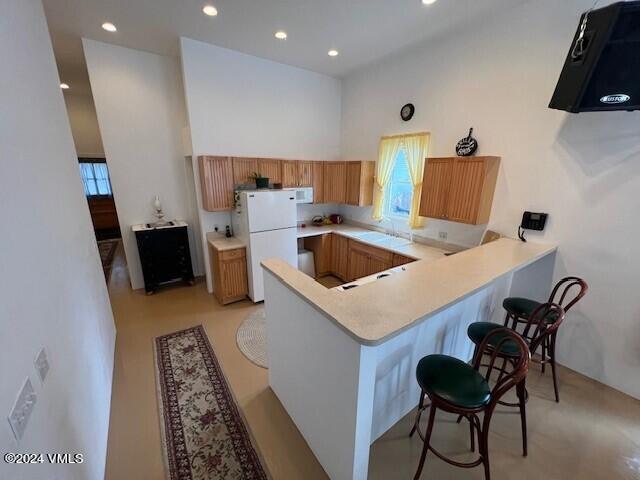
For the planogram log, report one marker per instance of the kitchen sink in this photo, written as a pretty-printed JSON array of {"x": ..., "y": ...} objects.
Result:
[
  {"x": 373, "y": 237},
  {"x": 394, "y": 242}
]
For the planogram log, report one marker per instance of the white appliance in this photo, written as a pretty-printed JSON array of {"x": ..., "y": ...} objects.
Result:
[
  {"x": 266, "y": 221},
  {"x": 303, "y": 194}
]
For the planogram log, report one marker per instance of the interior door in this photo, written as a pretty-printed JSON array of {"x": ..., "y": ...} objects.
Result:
[
  {"x": 281, "y": 244},
  {"x": 271, "y": 210},
  {"x": 467, "y": 176}
]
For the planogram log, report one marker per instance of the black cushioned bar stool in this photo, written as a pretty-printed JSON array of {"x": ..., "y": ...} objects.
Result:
[
  {"x": 566, "y": 293},
  {"x": 459, "y": 388}
]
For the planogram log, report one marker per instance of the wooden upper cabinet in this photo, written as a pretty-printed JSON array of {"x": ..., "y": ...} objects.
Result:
[
  {"x": 335, "y": 185},
  {"x": 271, "y": 168},
  {"x": 243, "y": 168},
  {"x": 359, "y": 183},
  {"x": 290, "y": 173},
  {"x": 305, "y": 173},
  {"x": 216, "y": 183},
  {"x": 317, "y": 181},
  {"x": 459, "y": 189}
]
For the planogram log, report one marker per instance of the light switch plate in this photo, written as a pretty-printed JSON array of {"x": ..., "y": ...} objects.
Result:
[
  {"x": 42, "y": 364},
  {"x": 22, "y": 409},
  {"x": 442, "y": 235}
]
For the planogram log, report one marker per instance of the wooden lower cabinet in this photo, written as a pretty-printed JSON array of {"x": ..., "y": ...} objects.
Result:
[
  {"x": 365, "y": 260},
  {"x": 399, "y": 260},
  {"x": 340, "y": 257},
  {"x": 229, "y": 272},
  {"x": 321, "y": 246}
]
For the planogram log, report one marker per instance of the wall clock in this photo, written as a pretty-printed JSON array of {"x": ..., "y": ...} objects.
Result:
[
  {"x": 407, "y": 112},
  {"x": 467, "y": 146}
]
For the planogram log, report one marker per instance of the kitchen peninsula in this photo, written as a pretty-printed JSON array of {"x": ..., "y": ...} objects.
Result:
[{"x": 342, "y": 362}]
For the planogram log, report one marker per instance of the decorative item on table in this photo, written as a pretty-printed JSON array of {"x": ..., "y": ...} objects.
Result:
[
  {"x": 407, "y": 111},
  {"x": 160, "y": 222},
  {"x": 336, "y": 218},
  {"x": 227, "y": 232},
  {"x": 261, "y": 182},
  {"x": 317, "y": 221},
  {"x": 467, "y": 146}
]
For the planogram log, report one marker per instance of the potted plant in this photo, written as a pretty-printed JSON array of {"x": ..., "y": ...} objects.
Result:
[{"x": 261, "y": 182}]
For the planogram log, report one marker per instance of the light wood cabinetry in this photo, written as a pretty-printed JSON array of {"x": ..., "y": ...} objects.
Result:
[
  {"x": 459, "y": 189},
  {"x": 365, "y": 260},
  {"x": 271, "y": 168},
  {"x": 359, "y": 183},
  {"x": 229, "y": 269},
  {"x": 297, "y": 173},
  {"x": 216, "y": 183},
  {"x": 243, "y": 168},
  {"x": 335, "y": 182},
  {"x": 340, "y": 256},
  {"x": 317, "y": 181},
  {"x": 321, "y": 246},
  {"x": 401, "y": 260}
]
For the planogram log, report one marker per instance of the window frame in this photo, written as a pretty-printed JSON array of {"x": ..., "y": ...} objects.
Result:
[
  {"x": 388, "y": 213},
  {"x": 96, "y": 160}
]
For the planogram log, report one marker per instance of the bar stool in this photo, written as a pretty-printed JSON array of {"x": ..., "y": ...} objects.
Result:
[
  {"x": 541, "y": 325},
  {"x": 459, "y": 388},
  {"x": 519, "y": 309}
]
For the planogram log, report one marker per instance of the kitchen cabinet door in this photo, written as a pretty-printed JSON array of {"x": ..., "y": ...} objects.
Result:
[
  {"x": 290, "y": 176},
  {"x": 401, "y": 260},
  {"x": 464, "y": 190},
  {"x": 340, "y": 256},
  {"x": 435, "y": 187},
  {"x": 359, "y": 264},
  {"x": 377, "y": 265},
  {"x": 305, "y": 173},
  {"x": 317, "y": 182},
  {"x": 320, "y": 245},
  {"x": 229, "y": 269},
  {"x": 335, "y": 176},
  {"x": 243, "y": 168},
  {"x": 271, "y": 168},
  {"x": 359, "y": 183},
  {"x": 216, "y": 183}
]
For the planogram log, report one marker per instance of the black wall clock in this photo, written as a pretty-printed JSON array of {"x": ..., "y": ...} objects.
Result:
[{"x": 407, "y": 112}]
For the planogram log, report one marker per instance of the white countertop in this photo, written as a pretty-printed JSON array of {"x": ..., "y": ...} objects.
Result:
[{"x": 380, "y": 310}]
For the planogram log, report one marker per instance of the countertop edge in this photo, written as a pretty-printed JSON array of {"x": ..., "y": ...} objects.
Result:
[{"x": 273, "y": 265}]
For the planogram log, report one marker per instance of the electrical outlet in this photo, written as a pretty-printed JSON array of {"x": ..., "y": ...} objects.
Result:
[
  {"x": 442, "y": 235},
  {"x": 42, "y": 364},
  {"x": 22, "y": 409}
]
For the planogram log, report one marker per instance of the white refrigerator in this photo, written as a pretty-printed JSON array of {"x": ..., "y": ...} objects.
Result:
[{"x": 266, "y": 220}]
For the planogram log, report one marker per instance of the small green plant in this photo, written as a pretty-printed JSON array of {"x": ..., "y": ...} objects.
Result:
[{"x": 256, "y": 175}]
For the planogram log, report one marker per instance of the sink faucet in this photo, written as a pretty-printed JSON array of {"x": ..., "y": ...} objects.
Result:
[{"x": 393, "y": 226}]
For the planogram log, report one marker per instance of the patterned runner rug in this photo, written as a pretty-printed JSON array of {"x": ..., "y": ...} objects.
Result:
[
  {"x": 204, "y": 437},
  {"x": 107, "y": 249}
]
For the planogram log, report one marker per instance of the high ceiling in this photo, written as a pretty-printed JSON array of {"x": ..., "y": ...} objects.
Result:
[{"x": 362, "y": 30}]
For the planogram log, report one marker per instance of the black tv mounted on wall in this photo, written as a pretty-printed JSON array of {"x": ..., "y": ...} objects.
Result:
[{"x": 602, "y": 70}]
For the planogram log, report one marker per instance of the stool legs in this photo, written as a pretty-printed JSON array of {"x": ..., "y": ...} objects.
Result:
[
  {"x": 427, "y": 438},
  {"x": 418, "y": 415},
  {"x": 522, "y": 400},
  {"x": 552, "y": 359}
]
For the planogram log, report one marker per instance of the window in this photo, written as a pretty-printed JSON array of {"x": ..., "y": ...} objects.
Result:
[
  {"x": 95, "y": 177},
  {"x": 399, "y": 189}
]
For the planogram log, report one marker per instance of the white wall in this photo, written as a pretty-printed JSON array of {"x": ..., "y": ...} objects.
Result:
[
  {"x": 84, "y": 124},
  {"x": 246, "y": 106},
  {"x": 52, "y": 289},
  {"x": 140, "y": 105},
  {"x": 498, "y": 76}
]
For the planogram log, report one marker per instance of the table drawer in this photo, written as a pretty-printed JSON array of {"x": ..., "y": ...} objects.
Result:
[{"x": 233, "y": 254}]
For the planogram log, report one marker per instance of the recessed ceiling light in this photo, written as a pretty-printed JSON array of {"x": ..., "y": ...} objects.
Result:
[
  {"x": 109, "y": 27},
  {"x": 64, "y": 86},
  {"x": 210, "y": 10},
  {"x": 333, "y": 52},
  {"x": 281, "y": 35},
  {"x": 428, "y": 2}
]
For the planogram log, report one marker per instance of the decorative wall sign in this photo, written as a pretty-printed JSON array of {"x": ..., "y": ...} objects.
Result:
[
  {"x": 467, "y": 146},
  {"x": 407, "y": 112}
]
